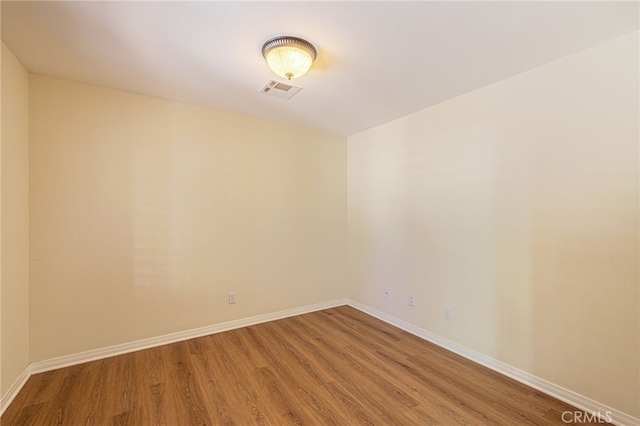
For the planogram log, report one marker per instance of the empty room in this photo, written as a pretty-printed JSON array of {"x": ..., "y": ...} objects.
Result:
[{"x": 319, "y": 213}]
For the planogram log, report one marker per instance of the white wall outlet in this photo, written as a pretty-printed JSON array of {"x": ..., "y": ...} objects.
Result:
[
  {"x": 412, "y": 300},
  {"x": 448, "y": 313},
  {"x": 232, "y": 298},
  {"x": 387, "y": 294}
]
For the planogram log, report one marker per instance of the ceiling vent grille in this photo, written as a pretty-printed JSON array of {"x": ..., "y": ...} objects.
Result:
[{"x": 279, "y": 90}]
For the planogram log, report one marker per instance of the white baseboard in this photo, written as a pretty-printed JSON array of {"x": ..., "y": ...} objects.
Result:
[
  {"x": 570, "y": 397},
  {"x": 96, "y": 354},
  {"x": 13, "y": 390}
]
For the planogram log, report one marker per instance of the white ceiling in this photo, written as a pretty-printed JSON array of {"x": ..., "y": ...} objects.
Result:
[{"x": 377, "y": 61}]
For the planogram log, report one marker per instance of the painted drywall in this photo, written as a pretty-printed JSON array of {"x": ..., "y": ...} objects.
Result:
[
  {"x": 14, "y": 220},
  {"x": 146, "y": 213},
  {"x": 516, "y": 206}
]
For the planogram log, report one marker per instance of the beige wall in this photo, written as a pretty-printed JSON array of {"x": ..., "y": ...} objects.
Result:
[
  {"x": 516, "y": 206},
  {"x": 146, "y": 213},
  {"x": 14, "y": 221}
]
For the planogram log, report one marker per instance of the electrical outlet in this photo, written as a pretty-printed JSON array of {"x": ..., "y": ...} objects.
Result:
[
  {"x": 412, "y": 300},
  {"x": 387, "y": 294},
  {"x": 232, "y": 298},
  {"x": 448, "y": 314}
]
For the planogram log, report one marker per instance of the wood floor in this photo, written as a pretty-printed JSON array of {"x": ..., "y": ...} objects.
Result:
[{"x": 338, "y": 366}]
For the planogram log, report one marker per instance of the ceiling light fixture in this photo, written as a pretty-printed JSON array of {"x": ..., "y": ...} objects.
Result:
[{"x": 289, "y": 57}]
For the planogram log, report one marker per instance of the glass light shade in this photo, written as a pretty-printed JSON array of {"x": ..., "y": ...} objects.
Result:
[
  {"x": 289, "y": 61},
  {"x": 289, "y": 57}
]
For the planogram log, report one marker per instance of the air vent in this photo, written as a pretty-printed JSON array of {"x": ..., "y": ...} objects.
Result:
[{"x": 279, "y": 90}]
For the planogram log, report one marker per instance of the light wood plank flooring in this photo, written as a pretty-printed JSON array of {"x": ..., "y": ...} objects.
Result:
[{"x": 338, "y": 366}]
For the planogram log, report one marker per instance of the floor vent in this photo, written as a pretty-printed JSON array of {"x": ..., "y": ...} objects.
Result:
[{"x": 279, "y": 90}]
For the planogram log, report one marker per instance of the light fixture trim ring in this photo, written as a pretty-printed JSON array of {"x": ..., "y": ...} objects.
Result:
[{"x": 289, "y": 41}]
